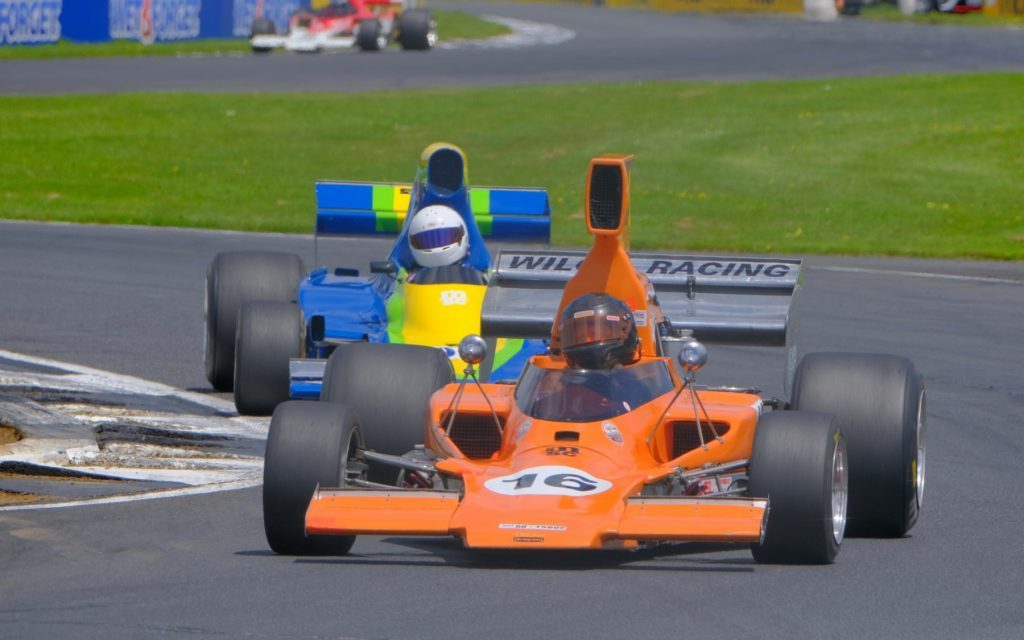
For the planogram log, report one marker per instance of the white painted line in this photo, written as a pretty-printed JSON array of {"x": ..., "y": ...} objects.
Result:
[
  {"x": 152, "y": 495},
  {"x": 922, "y": 274},
  {"x": 204, "y": 470},
  {"x": 89, "y": 377}
]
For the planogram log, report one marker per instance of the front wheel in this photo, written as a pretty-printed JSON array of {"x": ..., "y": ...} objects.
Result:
[
  {"x": 799, "y": 464},
  {"x": 389, "y": 386},
  {"x": 269, "y": 334},
  {"x": 310, "y": 444}
]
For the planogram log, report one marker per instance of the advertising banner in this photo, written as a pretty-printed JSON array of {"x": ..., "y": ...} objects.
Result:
[
  {"x": 151, "y": 20},
  {"x": 277, "y": 11},
  {"x": 41, "y": 21},
  {"x": 29, "y": 21}
]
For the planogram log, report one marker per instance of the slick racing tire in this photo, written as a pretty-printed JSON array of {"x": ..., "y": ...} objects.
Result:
[
  {"x": 310, "y": 444},
  {"x": 370, "y": 36},
  {"x": 389, "y": 386},
  {"x": 262, "y": 27},
  {"x": 799, "y": 464},
  {"x": 879, "y": 401},
  {"x": 233, "y": 279},
  {"x": 417, "y": 30},
  {"x": 269, "y": 334}
]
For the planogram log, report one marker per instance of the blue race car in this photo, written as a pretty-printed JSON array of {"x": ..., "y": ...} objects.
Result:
[{"x": 270, "y": 326}]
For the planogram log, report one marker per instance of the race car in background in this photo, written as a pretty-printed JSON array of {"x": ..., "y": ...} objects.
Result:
[
  {"x": 602, "y": 443},
  {"x": 270, "y": 326},
  {"x": 369, "y": 25}
]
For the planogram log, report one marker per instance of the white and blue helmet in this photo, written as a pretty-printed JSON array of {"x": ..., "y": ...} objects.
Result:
[{"x": 437, "y": 236}]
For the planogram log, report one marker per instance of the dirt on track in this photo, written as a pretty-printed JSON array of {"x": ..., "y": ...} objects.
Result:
[{"x": 8, "y": 435}]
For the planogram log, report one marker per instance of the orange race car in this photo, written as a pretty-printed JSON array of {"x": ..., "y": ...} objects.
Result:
[{"x": 603, "y": 442}]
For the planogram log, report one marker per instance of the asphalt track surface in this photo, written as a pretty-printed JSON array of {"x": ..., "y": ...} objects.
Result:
[
  {"x": 610, "y": 46},
  {"x": 129, "y": 300}
]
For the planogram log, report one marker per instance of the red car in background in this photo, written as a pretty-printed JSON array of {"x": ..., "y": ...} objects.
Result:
[{"x": 369, "y": 25}]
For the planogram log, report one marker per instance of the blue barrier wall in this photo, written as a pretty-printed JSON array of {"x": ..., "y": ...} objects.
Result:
[{"x": 40, "y": 21}]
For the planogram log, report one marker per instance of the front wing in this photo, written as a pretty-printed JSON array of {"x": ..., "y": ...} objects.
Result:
[
  {"x": 443, "y": 513},
  {"x": 302, "y": 41}
]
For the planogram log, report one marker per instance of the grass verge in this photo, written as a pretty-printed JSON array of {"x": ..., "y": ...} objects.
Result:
[
  {"x": 451, "y": 25},
  {"x": 919, "y": 166}
]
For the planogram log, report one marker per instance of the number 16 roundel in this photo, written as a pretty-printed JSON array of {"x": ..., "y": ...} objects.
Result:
[{"x": 549, "y": 480}]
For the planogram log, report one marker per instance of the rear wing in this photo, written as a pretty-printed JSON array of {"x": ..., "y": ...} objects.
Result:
[
  {"x": 720, "y": 299},
  {"x": 374, "y": 208}
]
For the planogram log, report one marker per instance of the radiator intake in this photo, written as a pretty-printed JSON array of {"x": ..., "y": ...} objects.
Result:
[
  {"x": 475, "y": 434},
  {"x": 685, "y": 437}
]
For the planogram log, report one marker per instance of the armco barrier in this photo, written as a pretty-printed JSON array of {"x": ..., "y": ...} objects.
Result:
[
  {"x": 1004, "y": 8},
  {"x": 40, "y": 21}
]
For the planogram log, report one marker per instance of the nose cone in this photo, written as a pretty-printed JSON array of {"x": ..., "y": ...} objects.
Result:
[{"x": 556, "y": 496}]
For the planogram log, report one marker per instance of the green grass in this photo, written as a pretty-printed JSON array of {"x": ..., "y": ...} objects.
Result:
[
  {"x": 920, "y": 166},
  {"x": 890, "y": 12},
  {"x": 451, "y": 25},
  {"x": 67, "y": 49},
  {"x": 458, "y": 25}
]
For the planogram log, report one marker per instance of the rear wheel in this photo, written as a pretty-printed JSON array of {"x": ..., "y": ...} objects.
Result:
[
  {"x": 262, "y": 27},
  {"x": 370, "y": 36},
  {"x": 389, "y": 386},
  {"x": 799, "y": 464},
  {"x": 232, "y": 279},
  {"x": 879, "y": 401},
  {"x": 417, "y": 30},
  {"x": 309, "y": 444},
  {"x": 269, "y": 334}
]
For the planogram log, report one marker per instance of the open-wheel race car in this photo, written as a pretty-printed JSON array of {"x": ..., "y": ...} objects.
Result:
[
  {"x": 603, "y": 442},
  {"x": 270, "y": 326},
  {"x": 369, "y": 25}
]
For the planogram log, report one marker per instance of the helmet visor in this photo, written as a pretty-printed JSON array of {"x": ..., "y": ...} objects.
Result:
[
  {"x": 588, "y": 326},
  {"x": 436, "y": 238}
]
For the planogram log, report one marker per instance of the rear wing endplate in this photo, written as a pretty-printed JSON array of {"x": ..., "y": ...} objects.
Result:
[
  {"x": 376, "y": 208},
  {"x": 718, "y": 298}
]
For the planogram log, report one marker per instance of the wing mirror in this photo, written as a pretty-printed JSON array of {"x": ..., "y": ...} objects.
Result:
[
  {"x": 693, "y": 356},
  {"x": 472, "y": 349}
]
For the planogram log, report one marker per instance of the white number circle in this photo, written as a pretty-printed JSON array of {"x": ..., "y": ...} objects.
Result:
[{"x": 549, "y": 480}]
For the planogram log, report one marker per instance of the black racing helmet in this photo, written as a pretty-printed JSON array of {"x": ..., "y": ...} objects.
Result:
[{"x": 597, "y": 331}]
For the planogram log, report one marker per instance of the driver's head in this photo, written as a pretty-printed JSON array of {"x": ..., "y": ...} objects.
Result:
[
  {"x": 597, "y": 331},
  {"x": 437, "y": 236}
]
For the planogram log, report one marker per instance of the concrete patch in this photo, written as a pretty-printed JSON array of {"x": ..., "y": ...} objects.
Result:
[
  {"x": 525, "y": 33},
  {"x": 89, "y": 436}
]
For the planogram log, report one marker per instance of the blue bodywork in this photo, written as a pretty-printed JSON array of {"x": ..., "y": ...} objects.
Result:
[{"x": 339, "y": 305}]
